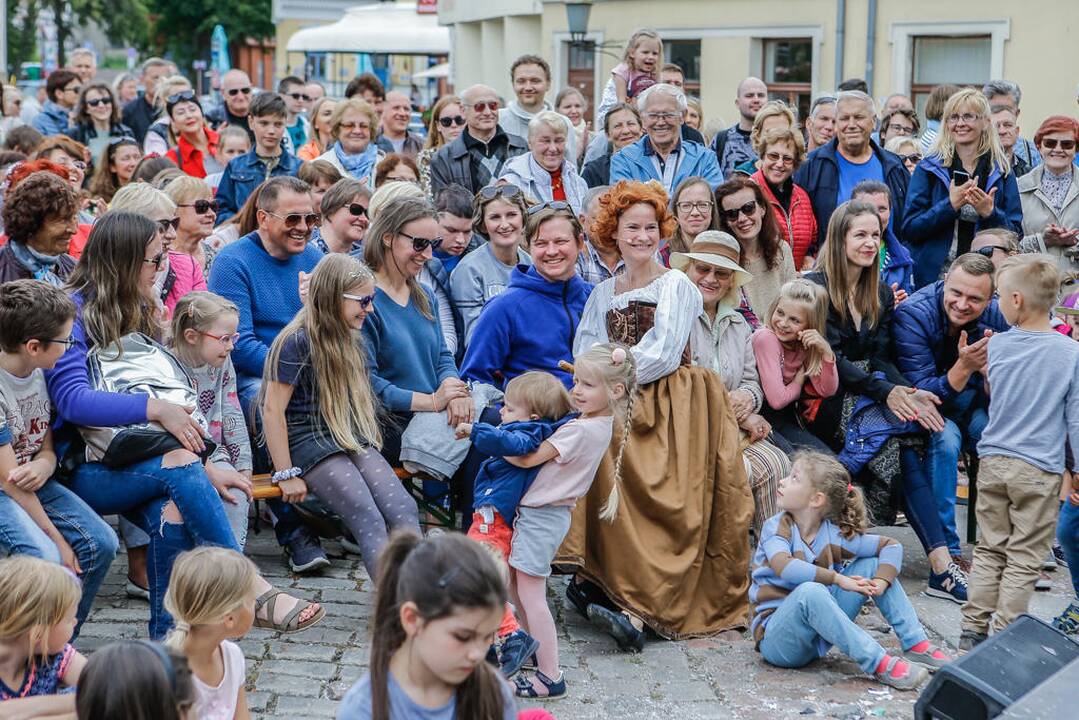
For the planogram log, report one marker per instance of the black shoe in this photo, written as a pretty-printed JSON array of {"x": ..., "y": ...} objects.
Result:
[
  {"x": 517, "y": 648},
  {"x": 618, "y": 626},
  {"x": 305, "y": 554},
  {"x": 577, "y": 598},
  {"x": 969, "y": 640}
]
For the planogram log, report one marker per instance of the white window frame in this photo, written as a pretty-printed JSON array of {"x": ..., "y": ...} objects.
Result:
[{"x": 903, "y": 34}]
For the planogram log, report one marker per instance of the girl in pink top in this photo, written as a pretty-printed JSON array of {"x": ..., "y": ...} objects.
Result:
[
  {"x": 603, "y": 382},
  {"x": 795, "y": 362},
  {"x": 188, "y": 277}
]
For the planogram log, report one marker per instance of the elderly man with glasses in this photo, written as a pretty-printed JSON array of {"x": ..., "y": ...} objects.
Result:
[
  {"x": 662, "y": 154},
  {"x": 477, "y": 155},
  {"x": 236, "y": 96}
]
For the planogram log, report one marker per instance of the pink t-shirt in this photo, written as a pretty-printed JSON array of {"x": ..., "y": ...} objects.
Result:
[
  {"x": 189, "y": 277},
  {"x": 776, "y": 381},
  {"x": 219, "y": 703},
  {"x": 581, "y": 445}
]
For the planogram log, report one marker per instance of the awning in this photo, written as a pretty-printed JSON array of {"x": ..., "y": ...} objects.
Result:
[
  {"x": 442, "y": 70},
  {"x": 396, "y": 29}
]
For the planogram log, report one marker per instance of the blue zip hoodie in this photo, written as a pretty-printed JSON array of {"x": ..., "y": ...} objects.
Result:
[
  {"x": 530, "y": 326},
  {"x": 899, "y": 265}
]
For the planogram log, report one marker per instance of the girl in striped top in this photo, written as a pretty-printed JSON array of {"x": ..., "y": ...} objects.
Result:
[{"x": 816, "y": 566}]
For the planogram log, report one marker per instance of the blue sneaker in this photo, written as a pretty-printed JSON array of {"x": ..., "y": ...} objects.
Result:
[
  {"x": 305, "y": 554},
  {"x": 517, "y": 648},
  {"x": 949, "y": 585}
]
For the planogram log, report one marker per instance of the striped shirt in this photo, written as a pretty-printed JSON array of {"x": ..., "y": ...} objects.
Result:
[{"x": 783, "y": 560}]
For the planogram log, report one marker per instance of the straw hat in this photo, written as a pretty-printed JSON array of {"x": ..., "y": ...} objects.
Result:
[{"x": 716, "y": 248}]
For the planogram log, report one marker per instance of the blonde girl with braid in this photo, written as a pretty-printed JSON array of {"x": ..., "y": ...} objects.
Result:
[
  {"x": 319, "y": 412},
  {"x": 211, "y": 597},
  {"x": 603, "y": 380}
]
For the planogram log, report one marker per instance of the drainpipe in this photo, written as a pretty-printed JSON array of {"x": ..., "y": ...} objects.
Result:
[
  {"x": 870, "y": 44},
  {"x": 840, "y": 38}
]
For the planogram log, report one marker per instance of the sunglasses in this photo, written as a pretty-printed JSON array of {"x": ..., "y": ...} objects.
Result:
[
  {"x": 364, "y": 300},
  {"x": 988, "y": 250},
  {"x": 732, "y": 214},
  {"x": 300, "y": 96},
  {"x": 420, "y": 244},
  {"x": 164, "y": 225},
  {"x": 550, "y": 205},
  {"x": 913, "y": 157},
  {"x": 224, "y": 339},
  {"x": 491, "y": 105},
  {"x": 293, "y": 219},
  {"x": 156, "y": 260},
  {"x": 357, "y": 210},
  {"x": 99, "y": 101},
  {"x": 1051, "y": 144},
  {"x": 233, "y": 92},
  {"x": 449, "y": 121},
  {"x": 493, "y": 191},
  {"x": 202, "y": 206},
  {"x": 181, "y": 96}
]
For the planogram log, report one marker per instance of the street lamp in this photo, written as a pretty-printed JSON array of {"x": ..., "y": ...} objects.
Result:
[{"x": 577, "y": 19}]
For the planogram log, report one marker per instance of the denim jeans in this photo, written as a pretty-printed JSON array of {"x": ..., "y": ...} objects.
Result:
[
  {"x": 237, "y": 513},
  {"x": 92, "y": 540},
  {"x": 918, "y": 500},
  {"x": 814, "y": 617},
  {"x": 961, "y": 423},
  {"x": 140, "y": 493},
  {"x": 1068, "y": 535}
]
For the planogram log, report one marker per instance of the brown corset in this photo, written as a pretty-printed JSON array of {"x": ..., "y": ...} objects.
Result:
[{"x": 629, "y": 326}]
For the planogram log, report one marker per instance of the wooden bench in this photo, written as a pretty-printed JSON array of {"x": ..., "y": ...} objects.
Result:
[{"x": 263, "y": 489}]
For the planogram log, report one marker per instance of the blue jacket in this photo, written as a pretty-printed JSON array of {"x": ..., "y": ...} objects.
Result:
[
  {"x": 245, "y": 173},
  {"x": 52, "y": 120},
  {"x": 900, "y": 265},
  {"x": 819, "y": 176},
  {"x": 530, "y": 326},
  {"x": 633, "y": 163},
  {"x": 498, "y": 482},
  {"x": 920, "y": 336},
  {"x": 928, "y": 223}
]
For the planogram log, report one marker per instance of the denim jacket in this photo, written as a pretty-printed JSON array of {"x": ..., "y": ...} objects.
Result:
[{"x": 245, "y": 173}]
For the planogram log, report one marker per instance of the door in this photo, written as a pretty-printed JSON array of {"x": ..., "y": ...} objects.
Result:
[{"x": 581, "y": 74}]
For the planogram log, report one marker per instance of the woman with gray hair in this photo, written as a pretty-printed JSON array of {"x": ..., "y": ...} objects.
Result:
[{"x": 544, "y": 173}]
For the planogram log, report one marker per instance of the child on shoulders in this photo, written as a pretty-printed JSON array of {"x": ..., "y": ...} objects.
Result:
[
  {"x": 638, "y": 70},
  {"x": 804, "y": 600},
  {"x": 532, "y": 406}
]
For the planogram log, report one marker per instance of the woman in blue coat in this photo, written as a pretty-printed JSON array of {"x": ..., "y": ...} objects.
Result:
[{"x": 963, "y": 185}]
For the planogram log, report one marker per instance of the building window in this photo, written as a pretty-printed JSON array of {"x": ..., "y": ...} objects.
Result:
[
  {"x": 686, "y": 54},
  {"x": 963, "y": 61},
  {"x": 315, "y": 66},
  {"x": 788, "y": 72}
]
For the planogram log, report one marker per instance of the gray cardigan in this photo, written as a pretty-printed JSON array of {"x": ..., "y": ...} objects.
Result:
[{"x": 1037, "y": 213}]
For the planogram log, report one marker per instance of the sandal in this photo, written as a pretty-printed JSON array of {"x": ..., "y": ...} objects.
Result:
[
  {"x": 555, "y": 688},
  {"x": 292, "y": 622}
]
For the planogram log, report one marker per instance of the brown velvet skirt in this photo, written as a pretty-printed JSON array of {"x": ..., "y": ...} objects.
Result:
[{"x": 677, "y": 554}]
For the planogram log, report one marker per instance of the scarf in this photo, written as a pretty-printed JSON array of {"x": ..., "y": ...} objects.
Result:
[
  {"x": 360, "y": 166},
  {"x": 41, "y": 266}
]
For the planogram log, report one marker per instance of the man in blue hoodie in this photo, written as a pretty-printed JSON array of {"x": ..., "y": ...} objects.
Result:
[{"x": 531, "y": 325}]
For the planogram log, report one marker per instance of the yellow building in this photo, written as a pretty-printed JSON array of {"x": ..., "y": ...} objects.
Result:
[{"x": 800, "y": 48}]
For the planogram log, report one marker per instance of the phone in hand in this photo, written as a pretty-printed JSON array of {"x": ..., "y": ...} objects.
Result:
[{"x": 960, "y": 177}]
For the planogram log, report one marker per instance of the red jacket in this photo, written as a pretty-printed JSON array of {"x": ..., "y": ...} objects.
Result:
[{"x": 799, "y": 227}]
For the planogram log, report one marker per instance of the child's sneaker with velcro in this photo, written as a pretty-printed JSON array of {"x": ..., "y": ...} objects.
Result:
[
  {"x": 928, "y": 655},
  {"x": 896, "y": 672}
]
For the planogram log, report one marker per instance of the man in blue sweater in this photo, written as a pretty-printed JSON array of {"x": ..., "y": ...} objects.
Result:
[{"x": 261, "y": 273}]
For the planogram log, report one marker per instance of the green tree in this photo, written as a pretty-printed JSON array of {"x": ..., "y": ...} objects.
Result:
[
  {"x": 197, "y": 18},
  {"x": 124, "y": 21},
  {"x": 21, "y": 33}
]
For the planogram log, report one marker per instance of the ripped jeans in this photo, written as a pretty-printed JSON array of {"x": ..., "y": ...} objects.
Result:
[{"x": 140, "y": 492}]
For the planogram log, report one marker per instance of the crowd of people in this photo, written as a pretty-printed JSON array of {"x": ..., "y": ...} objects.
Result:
[{"x": 689, "y": 366}]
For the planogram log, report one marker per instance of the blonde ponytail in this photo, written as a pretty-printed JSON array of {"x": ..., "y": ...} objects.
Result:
[{"x": 206, "y": 584}]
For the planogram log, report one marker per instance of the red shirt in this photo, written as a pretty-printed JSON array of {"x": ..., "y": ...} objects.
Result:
[{"x": 189, "y": 158}]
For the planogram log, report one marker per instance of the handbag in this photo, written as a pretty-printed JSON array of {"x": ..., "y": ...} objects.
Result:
[{"x": 137, "y": 364}]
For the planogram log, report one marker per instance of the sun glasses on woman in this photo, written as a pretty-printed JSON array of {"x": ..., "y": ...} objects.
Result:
[
  {"x": 732, "y": 214},
  {"x": 364, "y": 300},
  {"x": 202, "y": 206},
  {"x": 357, "y": 210},
  {"x": 420, "y": 244},
  {"x": 451, "y": 120}
]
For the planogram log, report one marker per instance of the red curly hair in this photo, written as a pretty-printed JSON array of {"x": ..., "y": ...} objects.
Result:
[
  {"x": 624, "y": 195},
  {"x": 24, "y": 169}
]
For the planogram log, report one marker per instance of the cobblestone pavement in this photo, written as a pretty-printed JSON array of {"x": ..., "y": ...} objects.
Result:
[{"x": 304, "y": 675}]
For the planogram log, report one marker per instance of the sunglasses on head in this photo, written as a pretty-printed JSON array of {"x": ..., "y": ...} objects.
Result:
[
  {"x": 491, "y": 105},
  {"x": 491, "y": 192},
  {"x": 732, "y": 214},
  {"x": 121, "y": 140},
  {"x": 550, "y": 205},
  {"x": 232, "y": 92},
  {"x": 420, "y": 244},
  {"x": 181, "y": 96},
  {"x": 1051, "y": 144},
  {"x": 300, "y": 96},
  {"x": 357, "y": 210},
  {"x": 293, "y": 219},
  {"x": 202, "y": 206},
  {"x": 99, "y": 101},
  {"x": 451, "y": 120},
  {"x": 364, "y": 300}
]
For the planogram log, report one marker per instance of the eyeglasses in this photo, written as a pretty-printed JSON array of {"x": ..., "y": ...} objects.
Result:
[
  {"x": 300, "y": 96},
  {"x": 181, "y": 96},
  {"x": 451, "y": 120},
  {"x": 68, "y": 343},
  {"x": 732, "y": 214},
  {"x": 364, "y": 300},
  {"x": 156, "y": 260},
  {"x": 223, "y": 339},
  {"x": 491, "y": 105},
  {"x": 202, "y": 206},
  {"x": 357, "y": 210},
  {"x": 912, "y": 158},
  {"x": 491, "y": 192},
  {"x": 967, "y": 118},
  {"x": 550, "y": 205},
  {"x": 293, "y": 219},
  {"x": 704, "y": 207},
  {"x": 667, "y": 116},
  {"x": 76, "y": 89},
  {"x": 1051, "y": 144},
  {"x": 233, "y": 92},
  {"x": 99, "y": 101},
  {"x": 988, "y": 250},
  {"x": 774, "y": 157},
  {"x": 420, "y": 244},
  {"x": 164, "y": 225}
]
